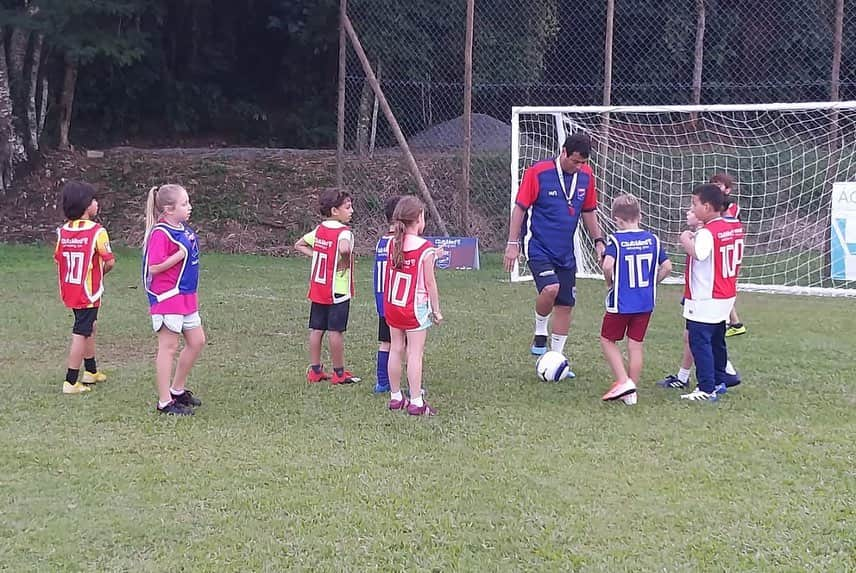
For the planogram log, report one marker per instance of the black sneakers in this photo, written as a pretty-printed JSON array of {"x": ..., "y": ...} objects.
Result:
[
  {"x": 176, "y": 409},
  {"x": 186, "y": 398}
]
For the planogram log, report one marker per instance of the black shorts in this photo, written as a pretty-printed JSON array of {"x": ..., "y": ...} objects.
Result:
[
  {"x": 546, "y": 273},
  {"x": 332, "y": 317},
  {"x": 84, "y": 321},
  {"x": 383, "y": 330}
]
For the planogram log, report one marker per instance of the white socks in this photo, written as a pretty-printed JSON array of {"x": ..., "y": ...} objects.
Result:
[
  {"x": 541, "y": 324},
  {"x": 683, "y": 375},
  {"x": 557, "y": 342}
]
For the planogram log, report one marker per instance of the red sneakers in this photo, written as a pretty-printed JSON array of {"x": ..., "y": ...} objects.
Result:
[
  {"x": 314, "y": 377},
  {"x": 345, "y": 378}
]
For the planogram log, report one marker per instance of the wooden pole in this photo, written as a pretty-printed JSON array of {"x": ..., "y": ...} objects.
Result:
[
  {"x": 340, "y": 119},
  {"x": 468, "y": 119},
  {"x": 393, "y": 123},
  {"x": 607, "y": 52},
  {"x": 837, "y": 40},
  {"x": 699, "y": 55}
]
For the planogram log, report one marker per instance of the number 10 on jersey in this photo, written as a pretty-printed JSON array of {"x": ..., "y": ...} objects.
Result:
[{"x": 732, "y": 255}]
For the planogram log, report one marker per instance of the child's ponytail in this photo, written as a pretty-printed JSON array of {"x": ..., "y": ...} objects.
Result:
[
  {"x": 150, "y": 213},
  {"x": 398, "y": 232}
]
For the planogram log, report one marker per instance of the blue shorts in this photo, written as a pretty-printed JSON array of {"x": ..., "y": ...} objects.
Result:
[{"x": 546, "y": 273}]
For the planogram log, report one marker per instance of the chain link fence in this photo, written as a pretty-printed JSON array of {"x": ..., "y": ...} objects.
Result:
[{"x": 551, "y": 53}]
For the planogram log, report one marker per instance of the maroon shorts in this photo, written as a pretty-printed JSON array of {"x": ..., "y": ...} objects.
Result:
[{"x": 615, "y": 326}]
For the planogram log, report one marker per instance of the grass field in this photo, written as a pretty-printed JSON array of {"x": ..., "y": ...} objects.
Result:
[{"x": 512, "y": 475}]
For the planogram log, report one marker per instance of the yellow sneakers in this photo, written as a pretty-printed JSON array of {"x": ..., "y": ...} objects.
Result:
[
  {"x": 78, "y": 388},
  {"x": 93, "y": 377}
]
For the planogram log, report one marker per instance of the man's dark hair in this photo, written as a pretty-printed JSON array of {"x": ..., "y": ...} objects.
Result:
[
  {"x": 578, "y": 143},
  {"x": 76, "y": 198},
  {"x": 711, "y": 194},
  {"x": 389, "y": 207},
  {"x": 330, "y": 198}
]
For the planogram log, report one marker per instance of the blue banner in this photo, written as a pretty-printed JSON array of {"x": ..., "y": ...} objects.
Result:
[{"x": 458, "y": 253}]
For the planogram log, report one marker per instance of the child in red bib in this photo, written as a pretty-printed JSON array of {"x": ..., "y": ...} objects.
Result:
[
  {"x": 331, "y": 285},
  {"x": 83, "y": 257},
  {"x": 411, "y": 303}
]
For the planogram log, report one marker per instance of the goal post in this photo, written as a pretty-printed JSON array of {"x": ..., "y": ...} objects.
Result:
[{"x": 786, "y": 160}]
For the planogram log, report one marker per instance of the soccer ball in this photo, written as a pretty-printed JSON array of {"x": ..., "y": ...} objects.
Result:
[{"x": 552, "y": 366}]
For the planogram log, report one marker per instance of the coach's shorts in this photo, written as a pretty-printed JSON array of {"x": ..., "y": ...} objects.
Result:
[
  {"x": 332, "y": 317},
  {"x": 383, "y": 330},
  {"x": 177, "y": 323},
  {"x": 615, "y": 326},
  {"x": 84, "y": 321},
  {"x": 546, "y": 273}
]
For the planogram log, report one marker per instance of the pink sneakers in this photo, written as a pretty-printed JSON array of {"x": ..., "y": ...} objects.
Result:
[
  {"x": 619, "y": 390},
  {"x": 399, "y": 404},
  {"x": 423, "y": 410}
]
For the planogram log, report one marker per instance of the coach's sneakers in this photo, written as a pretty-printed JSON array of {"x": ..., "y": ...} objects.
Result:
[
  {"x": 672, "y": 381},
  {"x": 345, "y": 378},
  {"x": 423, "y": 410},
  {"x": 735, "y": 329},
  {"x": 76, "y": 388},
  {"x": 399, "y": 404},
  {"x": 173, "y": 408},
  {"x": 93, "y": 377},
  {"x": 699, "y": 395},
  {"x": 314, "y": 377},
  {"x": 619, "y": 390},
  {"x": 539, "y": 345},
  {"x": 186, "y": 398}
]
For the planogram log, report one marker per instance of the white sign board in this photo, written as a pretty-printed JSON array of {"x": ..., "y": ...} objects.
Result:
[{"x": 843, "y": 231}]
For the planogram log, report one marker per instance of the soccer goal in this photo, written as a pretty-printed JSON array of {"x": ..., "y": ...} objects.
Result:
[{"x": 786, "y": 160}]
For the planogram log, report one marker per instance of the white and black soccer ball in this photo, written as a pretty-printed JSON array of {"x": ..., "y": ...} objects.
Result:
[{"x": 552, "y": 366}]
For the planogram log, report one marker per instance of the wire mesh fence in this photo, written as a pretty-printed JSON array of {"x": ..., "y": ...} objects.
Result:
[{"x": 552, "y": 53}]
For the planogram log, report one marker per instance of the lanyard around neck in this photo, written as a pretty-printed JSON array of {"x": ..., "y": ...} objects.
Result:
[{"x": 561, "y": 173}]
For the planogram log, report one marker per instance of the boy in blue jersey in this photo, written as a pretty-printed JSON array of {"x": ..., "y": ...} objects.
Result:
[
  {"x": 383, "y": 335},
  {"x": 553, "y": 195},
  {"x": 634, "y": 262}
]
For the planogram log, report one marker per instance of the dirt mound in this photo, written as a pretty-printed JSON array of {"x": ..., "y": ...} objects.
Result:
[{"x": 488, "y": 134}]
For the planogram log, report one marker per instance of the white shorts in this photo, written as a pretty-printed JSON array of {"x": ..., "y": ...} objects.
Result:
[
  {"x": 423, "y": 315},
  {"x": 176, "y": 322}
]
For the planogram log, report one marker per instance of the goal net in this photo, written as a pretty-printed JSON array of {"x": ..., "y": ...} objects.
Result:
[{"x": 786, "y": 159}]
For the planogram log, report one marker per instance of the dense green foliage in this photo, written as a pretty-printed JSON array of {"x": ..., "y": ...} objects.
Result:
[{"x": 265, "y": 72}]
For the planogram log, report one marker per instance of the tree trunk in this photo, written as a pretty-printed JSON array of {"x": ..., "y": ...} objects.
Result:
[
  {"x": 66, "y": 102},
  {"x": 364, "y": 119},
  {"x": 43, "y": 105},
  {"x": 7, "y": 131},
  {"x": 32, "y": 134}
]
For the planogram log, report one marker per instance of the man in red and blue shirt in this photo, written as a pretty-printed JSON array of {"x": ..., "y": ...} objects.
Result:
[{"x": 553, "y": 195}]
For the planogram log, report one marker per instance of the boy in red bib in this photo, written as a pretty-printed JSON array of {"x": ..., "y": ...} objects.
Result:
[
  {"x": 732, "y": 211},
  {"x": 331, "y": 285},
  {"x": 715, "y": 253},
  {"x": 83, "y": 257}
]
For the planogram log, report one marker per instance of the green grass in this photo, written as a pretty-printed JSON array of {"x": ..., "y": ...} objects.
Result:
[{"x": 513, "y": 475}]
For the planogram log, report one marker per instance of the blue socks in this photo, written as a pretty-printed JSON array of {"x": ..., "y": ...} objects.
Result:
[{"x": 382, "y": 372}]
